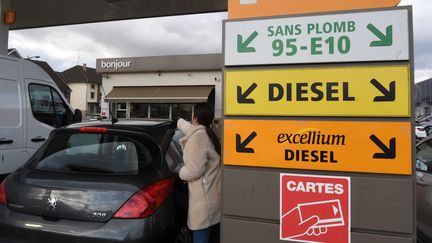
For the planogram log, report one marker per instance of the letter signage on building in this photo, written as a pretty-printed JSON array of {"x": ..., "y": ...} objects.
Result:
[
  {"x": 346, "y": 37},
  {"x": 315, "y": 208},
  {"x": 115, "y": 64},
  {"x": 332, "y": 91},
  {"x": 371, "y": 147}
]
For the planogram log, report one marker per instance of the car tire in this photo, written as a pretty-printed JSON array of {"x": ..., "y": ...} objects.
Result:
[{"x": 184, "y": 235}]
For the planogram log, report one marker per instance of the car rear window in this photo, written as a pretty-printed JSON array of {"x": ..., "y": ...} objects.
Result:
[{"x": 96, "y": 153}]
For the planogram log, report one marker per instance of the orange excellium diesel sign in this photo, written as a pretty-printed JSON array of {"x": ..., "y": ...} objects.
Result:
[
  {"x": 257, "y": 8},
  {"x": 370, "y": 147}
]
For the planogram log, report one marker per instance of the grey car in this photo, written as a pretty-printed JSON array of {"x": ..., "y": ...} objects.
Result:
[
  {"x": 98, "y": 182},
  {"x": 424, "y": 190}
]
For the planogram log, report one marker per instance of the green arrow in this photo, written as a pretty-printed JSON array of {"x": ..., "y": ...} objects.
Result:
[
  {"x": 384, "y": 40},
  {"x": 244, "y": 46}
]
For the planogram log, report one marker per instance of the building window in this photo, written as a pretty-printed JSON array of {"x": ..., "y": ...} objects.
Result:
[
  {"x": 139, "y": 110},
  {"x": 94, "y": 108},
  {"x": 120, "y": 110},
  {"x": 92, "y": 86},
  {"x": 92, "y": 95},
  {"x": 182, "y": 110},
  {"x": 153, "y": 110},
  {"x": 160, "y": 111}
]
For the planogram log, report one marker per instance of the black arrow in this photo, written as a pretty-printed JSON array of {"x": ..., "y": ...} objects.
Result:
[
  {"x": 388, "y": 95},
  {"x": 242, "y": 97},
  {"x": 241, "y": 146},
  {"x": 389, "y": 152}
]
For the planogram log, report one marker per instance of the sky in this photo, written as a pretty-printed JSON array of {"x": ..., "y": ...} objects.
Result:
[{"x": 66, "y": 46}]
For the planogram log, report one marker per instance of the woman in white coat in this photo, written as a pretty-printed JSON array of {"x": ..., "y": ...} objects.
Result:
[{"x": 202, "y": 172}]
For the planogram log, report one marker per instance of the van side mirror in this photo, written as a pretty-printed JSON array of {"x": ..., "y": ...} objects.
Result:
[{"x": 77, "y": 116}]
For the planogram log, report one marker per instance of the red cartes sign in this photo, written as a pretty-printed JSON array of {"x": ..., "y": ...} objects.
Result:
[{"x": 315, "y": 208}]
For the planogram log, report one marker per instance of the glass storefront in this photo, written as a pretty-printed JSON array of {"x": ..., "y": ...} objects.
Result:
[
  {"x": 160, "y": 111},
  {"x": 119, "y": 110},
  {"x": 182, "y": 110},
  {"x": 153, "y": 110},
  {"x": 139, "y": 110}
]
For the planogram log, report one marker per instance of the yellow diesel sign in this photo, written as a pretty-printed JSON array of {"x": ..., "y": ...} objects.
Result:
[
  {"x": 371, "y": 147},
  {"x": 336, "y": 91}
]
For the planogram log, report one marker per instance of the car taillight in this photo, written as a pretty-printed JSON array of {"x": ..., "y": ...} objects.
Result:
[
  {"x": 145, "y": 202},
  {"x": 2, "y": 193},
  {"x": 94, "y": 129}
]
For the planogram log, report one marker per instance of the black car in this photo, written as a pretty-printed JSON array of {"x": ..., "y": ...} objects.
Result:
[
  {"x": 424, "y": 190},
  {"x": 98, "y": 182}
]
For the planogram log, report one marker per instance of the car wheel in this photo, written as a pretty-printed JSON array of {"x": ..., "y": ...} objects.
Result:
[{"x": 184, "y": 236}]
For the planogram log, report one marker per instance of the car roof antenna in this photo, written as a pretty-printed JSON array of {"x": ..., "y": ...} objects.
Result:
[{"x": 113, "y": 119}]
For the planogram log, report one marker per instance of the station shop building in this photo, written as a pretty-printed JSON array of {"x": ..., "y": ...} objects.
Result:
[
  {"x": 423, "y": 98},
  {"x": 160, "y": 87}
]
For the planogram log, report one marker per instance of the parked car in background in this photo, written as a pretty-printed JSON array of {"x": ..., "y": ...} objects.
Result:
[
  {"x": 424, "y": 190},
  {"x": 98, "y": 182},
  {"x": 423, "y": 119},
  {"x": 426, "y": 122},
  {"x": 428, "y": 128},
  {"x": 420, "y": 131},
  {"x": 95, "y": 118}
]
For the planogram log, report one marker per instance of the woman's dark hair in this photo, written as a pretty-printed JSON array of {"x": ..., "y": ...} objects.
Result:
[{"x": 205, "y": 115}]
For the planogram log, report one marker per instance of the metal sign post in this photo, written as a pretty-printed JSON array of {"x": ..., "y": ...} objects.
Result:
[{"x": 323, "y": 150}]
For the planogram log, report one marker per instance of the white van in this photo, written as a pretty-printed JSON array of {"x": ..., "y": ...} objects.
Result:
[{"x": 31, "y": 106}]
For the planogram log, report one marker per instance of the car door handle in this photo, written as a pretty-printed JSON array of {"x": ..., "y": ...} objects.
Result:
[
  {"x": 38, "y": 139},
  {"x": 6, "y": 141}
]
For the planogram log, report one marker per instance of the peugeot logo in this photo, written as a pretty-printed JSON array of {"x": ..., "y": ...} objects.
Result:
[{"x": 52, "y": 203}]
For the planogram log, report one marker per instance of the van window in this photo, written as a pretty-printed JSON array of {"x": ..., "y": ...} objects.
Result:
[
  {"x": 60, "y": 109},
  {"x": 47, "y": 106},
  {"x": 10, "y": 109}
]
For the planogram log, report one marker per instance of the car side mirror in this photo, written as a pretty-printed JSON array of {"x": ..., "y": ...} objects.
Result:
[{"x": 77, "y": 116}]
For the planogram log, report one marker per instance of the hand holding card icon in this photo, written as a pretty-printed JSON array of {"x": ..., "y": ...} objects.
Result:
[
  {"x": 312, "y": 219},
  {"x": 294, "y": 226},
  {"x": 329, "y": 213}
]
